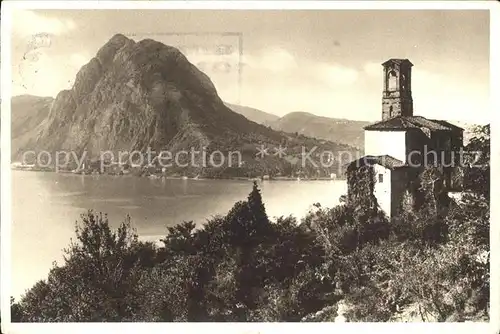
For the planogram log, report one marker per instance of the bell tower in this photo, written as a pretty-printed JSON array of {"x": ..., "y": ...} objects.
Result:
[{"x": 396, "y": 97}]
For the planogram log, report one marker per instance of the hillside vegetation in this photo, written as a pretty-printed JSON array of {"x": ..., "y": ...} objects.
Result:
[
  {"x": 334, "y": 129},
  {"x": 422, "y": 266}
]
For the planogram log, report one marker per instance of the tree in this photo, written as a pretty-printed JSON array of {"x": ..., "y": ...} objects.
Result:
[
  {"x": 478, "y": 173},
  {"x": 96, "y": 278},
  {"x": 256, "y": 206}
]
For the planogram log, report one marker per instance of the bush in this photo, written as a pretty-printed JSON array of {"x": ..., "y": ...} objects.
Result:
[
  {"x": 243, "y": 267},
  {"x": 226, "y": 270}
]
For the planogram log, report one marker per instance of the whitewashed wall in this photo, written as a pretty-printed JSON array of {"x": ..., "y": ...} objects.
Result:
[
  {"x": 392, "y": 143},
  {"x": 382, "y": 191}
]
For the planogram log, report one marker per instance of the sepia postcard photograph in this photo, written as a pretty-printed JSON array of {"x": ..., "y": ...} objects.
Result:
[{"x": 323, "y": 163}]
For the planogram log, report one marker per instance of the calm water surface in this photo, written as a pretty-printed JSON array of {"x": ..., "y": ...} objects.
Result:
[{"x": 45, "y": 207}]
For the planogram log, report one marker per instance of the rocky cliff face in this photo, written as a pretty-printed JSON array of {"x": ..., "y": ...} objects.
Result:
[
  {"x": 137, "y": 95},
  {"x": 134, "y": 95}
]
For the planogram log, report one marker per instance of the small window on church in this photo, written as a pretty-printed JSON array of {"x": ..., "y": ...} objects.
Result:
[{"x": 380, "y": 178}]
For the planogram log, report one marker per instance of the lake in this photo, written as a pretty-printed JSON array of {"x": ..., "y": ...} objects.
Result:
[{"x": 45, "y": 207}]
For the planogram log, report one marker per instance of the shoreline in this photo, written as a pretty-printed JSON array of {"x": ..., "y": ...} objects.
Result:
[{"x": 174, "y": 177}]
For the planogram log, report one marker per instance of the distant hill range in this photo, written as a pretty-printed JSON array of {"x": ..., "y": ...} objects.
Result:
[
  {"x": 339, "y": 130},
  {"x": 256, "y": 115},
  {"x": 335, "y": 129},
  {"x": 28, "y": 112},
  {"x": 137, "y": 95}
]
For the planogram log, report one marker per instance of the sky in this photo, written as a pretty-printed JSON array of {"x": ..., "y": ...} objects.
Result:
[{"x": 324, "y": 62}]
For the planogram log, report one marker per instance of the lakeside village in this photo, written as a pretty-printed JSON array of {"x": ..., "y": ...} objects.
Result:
[{"x": 156, "y": 171}]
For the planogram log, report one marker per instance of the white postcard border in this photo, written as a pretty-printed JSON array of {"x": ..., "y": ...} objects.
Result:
[{"x": 247, "y": 328}]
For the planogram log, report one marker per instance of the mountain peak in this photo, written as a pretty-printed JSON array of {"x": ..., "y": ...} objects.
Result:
[
  {"x": 107, "y": 52},
  {"x": 119, "y": 38},
  {"x": 135, "y": 96}
]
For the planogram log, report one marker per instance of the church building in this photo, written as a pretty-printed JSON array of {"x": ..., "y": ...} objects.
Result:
[{"x": 398, "y": 147}]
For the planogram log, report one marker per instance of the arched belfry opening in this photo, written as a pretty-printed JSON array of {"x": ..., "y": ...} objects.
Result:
[
  {"x": 396, "y": 96},
  {"x": 392, "y": 80}
]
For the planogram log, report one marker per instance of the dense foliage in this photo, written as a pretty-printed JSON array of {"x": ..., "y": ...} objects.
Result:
[
  {"x": 426, "y": 265},
  {"x": 240, "y": 267}
]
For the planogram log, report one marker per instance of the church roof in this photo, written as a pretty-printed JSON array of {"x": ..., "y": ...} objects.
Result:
[
  {"x": 399, "y": 123},
  {"x": 384, "y": 160},
  {"x": 397, "y": 61}
]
